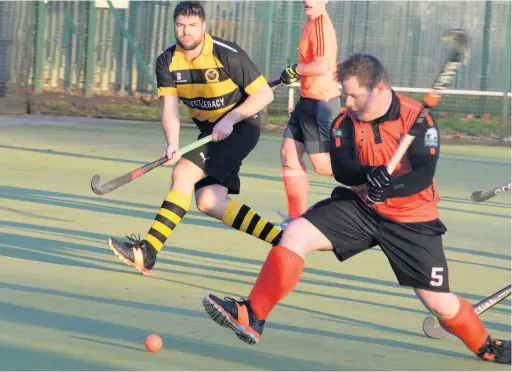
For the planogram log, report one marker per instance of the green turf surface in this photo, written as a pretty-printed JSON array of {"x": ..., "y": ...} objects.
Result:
[{"x": 68, "y": 304}]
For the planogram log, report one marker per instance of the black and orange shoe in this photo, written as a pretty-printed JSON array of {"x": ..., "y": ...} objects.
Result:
[
  {"x": 137, "y": 253},
  {"x": 495, "y": 350},
  {"x": 236, "y": 315}
]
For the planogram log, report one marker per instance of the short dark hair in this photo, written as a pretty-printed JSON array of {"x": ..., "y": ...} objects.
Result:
[
  {"x": 189, "y": 9},
  {"x": 368, "y": 70}
]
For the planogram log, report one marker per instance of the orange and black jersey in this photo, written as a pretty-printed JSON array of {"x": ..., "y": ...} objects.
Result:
[
  {"x": 217, "y": 81},
  {"x": 357, "y": 147}
]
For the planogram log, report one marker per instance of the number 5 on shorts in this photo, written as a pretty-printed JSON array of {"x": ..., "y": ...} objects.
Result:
[{"x": 437, "y": 277}]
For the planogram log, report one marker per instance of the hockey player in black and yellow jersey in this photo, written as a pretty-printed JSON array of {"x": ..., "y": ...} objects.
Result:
[{"x": 224, "y": 92}]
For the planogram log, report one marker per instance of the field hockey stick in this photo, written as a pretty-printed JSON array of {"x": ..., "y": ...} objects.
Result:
[
  {"x": 431, "y": 99},
  {"x": 274, "y": 82},
  {"x": 431, "y": 325},
  {"x": 480, "y": 196},
  {"x": 136, "y": 173}
]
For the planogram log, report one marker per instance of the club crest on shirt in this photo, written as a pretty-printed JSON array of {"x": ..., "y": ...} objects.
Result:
[
  {"x": 431, "y": 137},
  {"x": 211, "y": 75},
  {"x": 336, "y": 133}
]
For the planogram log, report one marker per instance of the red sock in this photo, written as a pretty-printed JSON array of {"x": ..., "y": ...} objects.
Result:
[
  {"x": 278, "y": 277},
  {"x": 296, "y": 185},
  {"x": 467, "y": 326}
]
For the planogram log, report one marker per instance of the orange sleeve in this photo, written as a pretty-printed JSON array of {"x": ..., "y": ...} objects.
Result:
[
  {"x": 318, "y": 37},
  {"x": 322, "y": 35}
]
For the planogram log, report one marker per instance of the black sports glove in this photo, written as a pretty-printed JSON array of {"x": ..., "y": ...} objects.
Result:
[
  {"x": 378, "y": 177},
  {"x": 289, "y": 75},
  {"x": 378, "y": 195}
]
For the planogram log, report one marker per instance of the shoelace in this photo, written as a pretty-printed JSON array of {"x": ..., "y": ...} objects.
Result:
[
  {"x": 135, "y": 239},
  {"x": 492, "y": 347},
  {"x": 240, "y": 302}
]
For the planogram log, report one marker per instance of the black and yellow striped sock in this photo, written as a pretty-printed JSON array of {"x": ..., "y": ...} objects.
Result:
[
  {"x": 243, "y": 218},
  {"x": 174, "y": 207}
]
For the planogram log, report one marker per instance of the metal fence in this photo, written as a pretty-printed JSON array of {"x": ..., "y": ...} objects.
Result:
[{"x": 104, "y": 46}]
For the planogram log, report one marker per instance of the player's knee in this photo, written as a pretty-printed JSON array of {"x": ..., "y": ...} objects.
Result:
[
  {"x": 291, "y": 240},
  {"x": 299, "y": 238},
  {"x": 441, "y": 304},
  {"x": 183, "y": 176},
  {"x": 289, "y": 157},
  {"x": 206, "y": 200}
]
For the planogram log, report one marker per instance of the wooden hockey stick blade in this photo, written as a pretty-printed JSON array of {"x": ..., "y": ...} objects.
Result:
[
  {"x": 138, "y": 172},
  {"x": 433, "y": 329},
  {"x": 480, "y": 196}
]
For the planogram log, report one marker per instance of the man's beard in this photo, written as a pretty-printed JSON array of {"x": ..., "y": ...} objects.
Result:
[{"x": 192, "y": 46}]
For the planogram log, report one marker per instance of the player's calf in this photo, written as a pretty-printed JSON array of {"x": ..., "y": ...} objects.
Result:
[
  {"x": 467, "y": 326},
  {"x": 295, "y": 176},
  {"x": 243, "y": 218},
  {"x": 213, "y": 200}
]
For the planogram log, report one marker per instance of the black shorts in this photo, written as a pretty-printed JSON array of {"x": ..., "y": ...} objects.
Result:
[
  {"x": 310, "y": 123},
  {"x": 221, "y": 160},
  {"x": 414, "y": 250}
]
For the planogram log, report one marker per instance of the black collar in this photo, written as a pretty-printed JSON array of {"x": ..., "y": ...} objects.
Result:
[{"x": 393, "y": 112}]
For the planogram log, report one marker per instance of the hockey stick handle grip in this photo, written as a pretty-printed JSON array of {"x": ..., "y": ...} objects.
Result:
[
  {"x": 399, "y": 153},
  {"x": 274, "y": 83},
  {"x": 196, "y": 144}
]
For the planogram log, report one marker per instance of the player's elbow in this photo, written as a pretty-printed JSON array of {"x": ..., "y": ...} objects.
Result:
[
  {"x": 269, "y": 94},
  {"x": 340, "y": 176},
  {"x": 266, "y": 95},
  {"x": 346, "y": 177}
]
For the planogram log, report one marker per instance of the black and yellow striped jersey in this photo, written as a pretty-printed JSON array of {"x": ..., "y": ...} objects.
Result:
[{"x": 213, "y": 84}]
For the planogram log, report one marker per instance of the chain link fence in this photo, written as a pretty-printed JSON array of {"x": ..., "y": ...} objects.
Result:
[{"x": 108, "y": 48}]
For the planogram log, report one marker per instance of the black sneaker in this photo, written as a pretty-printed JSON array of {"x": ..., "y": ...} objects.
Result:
[
  {"x": 137, "y": 253},
  {"x": 236, "y": 315},
  {"x": 495, "y": 350}
]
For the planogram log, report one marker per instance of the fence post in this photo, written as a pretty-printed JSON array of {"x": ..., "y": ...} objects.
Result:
[
  {"x": 416, "y": 41},
  {"x": 506, "y": 85},
  {"x": 366, "y": 24},
  {"x": 39, "y": 55},
  {"x": 133, "y": 45},
  {"x": 289, "y": 26},
  {"x": 90, "y": 49},
  {"x": 485, "y": 54},
  {"x": 268, "y": 43},
  {"x": 6, "y": 44},
  {"x": 352, "y": 26},
  {"x": 170, "y": 29}
]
